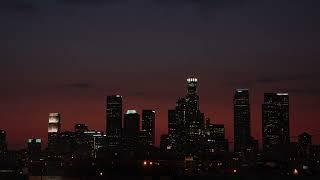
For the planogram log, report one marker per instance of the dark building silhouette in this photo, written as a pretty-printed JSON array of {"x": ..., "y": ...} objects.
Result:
[
  {"x": 54, "y": 129},
  {"x": 314, "y": 155},
  {"x": 173, "y": 127},
  {"x": 304, "y": 143},
  {"x": 66, "y": 143},
  {"x": 114, "y": 120},
  {"x": 80, "y": 128},
  {"x": 114, "y": 113},
  {"x": 3, "y": 141},
  {"x": 131, "y": 130},
  {"x": 275, "y": 122},
  {"x": 34, "y": 149},
  {"x": 131, "y": 123},
  {"x": 149, "y": 125},
  {"x": 165, "y": 143},
  {"x": 241, "y": 114},
  {"x": 215, "y": 139}
]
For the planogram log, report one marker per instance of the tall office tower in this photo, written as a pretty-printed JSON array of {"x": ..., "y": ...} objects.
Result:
[
  {"x": 114, "y": 113},
  {"x": 34, "y": 149},
  {"x": 241, "y": 115},
  {"x": 131, "y": 123},
  {"x": 114, "y": 121},
  {"x": 304, "y": 143},
  {"x": 148, "y": 125},
  {"x": 172, "y": 128},
  {"x": 54, "y": 128},
  {"x": 3, "y": 141},
  {"x": 275, "y": 122},
  {"x": 186, "y": 122},
  {"x": 180, "y": 130}
]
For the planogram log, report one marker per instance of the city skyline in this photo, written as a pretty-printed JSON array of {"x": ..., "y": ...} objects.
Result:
[{"x": 113, "y": 103}]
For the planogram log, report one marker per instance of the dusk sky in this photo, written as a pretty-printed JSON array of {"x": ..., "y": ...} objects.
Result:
[{"x": 67, "y": 55}]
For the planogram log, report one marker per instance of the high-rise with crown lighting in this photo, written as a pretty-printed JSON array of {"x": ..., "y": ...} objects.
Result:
[{"x": 54, "y": 128}]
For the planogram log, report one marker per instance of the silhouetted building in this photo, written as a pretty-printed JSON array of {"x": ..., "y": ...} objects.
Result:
[
  {"x": 241, "y": 114},
  {"x": 275, "y": 122},
  {"x": 173, "y": 127},
  {"x": 215, "y": 139},
  {"x": 165, "y": 143},
  {"x": 34, "y": 149},
  {"x": 314, "y": 154},
  {"x": 80, "y": 128},
  {"x": 131, "y": 129},
  {"x": 54, "y": 128},
  {"x": 148, "y": 125},
  {"x": 131, "y": 123},
  {"x": 3, "y": 141},
  {"x": 66, "y": 143},
  {"x": 114, "y": 113},
  {"x": 304, "y": 143},
  {"x": 114, "y": 121}
]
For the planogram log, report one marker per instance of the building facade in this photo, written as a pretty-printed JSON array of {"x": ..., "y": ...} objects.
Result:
[{"x": 275, "y": 122}]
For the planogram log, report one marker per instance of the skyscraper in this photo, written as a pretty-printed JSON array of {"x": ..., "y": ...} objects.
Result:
[
  {"x": 131, "y": 123},
  {"x": 114, "y": 120},
  {"x": 114, "y": 113},
  {"x": 275, "y": 122},
  {"x": 186, "y": 122},
  {"x": 131, "y": 131},
  {"x": 241, "y": 115},
  {"x": 148, "y": 125},
  {"x": 3, "y": 141},
  {"x": 54, "y": 128}
]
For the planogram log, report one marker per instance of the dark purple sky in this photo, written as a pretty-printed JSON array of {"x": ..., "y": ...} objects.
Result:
[{"x": 66, "y": 55}]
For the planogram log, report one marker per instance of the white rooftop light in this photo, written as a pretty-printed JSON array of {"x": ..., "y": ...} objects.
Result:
[
  {"x": 53, "y": 114},
  {"x": 192, "y": 80},
  {"x": 132, "y": 111},
  {"x": 240, "y": 90},
  {"x": 282, "y": 94}
]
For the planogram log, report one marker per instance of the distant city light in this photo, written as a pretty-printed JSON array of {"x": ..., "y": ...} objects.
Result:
[{"x": 234, "y": 171}]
